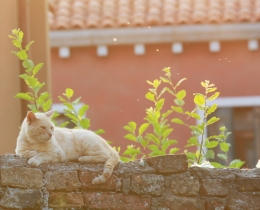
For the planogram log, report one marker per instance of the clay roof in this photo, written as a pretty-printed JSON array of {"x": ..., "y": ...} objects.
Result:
[{"x": 84, "y": 14}]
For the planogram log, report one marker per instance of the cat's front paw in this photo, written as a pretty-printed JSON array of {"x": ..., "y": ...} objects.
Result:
[{"x": 34, "y": 162}]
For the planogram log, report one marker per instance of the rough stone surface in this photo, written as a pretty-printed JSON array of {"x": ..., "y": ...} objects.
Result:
[
  {"x": 184, "y": 184},
  {"x": 21, "y": 198},
  {"x": 169, "y": 163},
  {"x": 66, "y": 200},
  {"x": 94, "y": 200},
  {"x": 147, "y": 184},
  {"x": 214, "y": 187},
  {"x": 161, "y": 183},
  {"x": 243, "y": 202},
  {"x": 180, "y": 203},
  {"x": 86, "y": 177},
  {"x": 21, "y": 177},
  {"x": 62, "y": 180}
]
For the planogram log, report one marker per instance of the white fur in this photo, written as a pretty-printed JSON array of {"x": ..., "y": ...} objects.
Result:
[{"x": 41, "y": 142}]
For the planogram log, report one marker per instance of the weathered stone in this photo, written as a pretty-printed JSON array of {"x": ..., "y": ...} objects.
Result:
[
  {"x": 112, "y": 201},
  {"x": 126, "y": 169},
  {"x": 66, "y": 200},
  {"x": 214, "y": 187},
  {"x": 147, "y": 184},
  {"x": 169, "y": 163},
  {"x": 126, "y": 185},
  {"x": 215, "y": 204},
  {"x": 21, "y": 177},
  {"x": 182, "y": 203},
  {"x": 86, "y": 177},
  {"x": 214, "y": 173},
  {"x": 248, "y": 173},
  {"x": 21, "y": 198},
  {"x": 2, "y": 191},
  {"x": 184, "y": 184},
  {"x": 243, "y": 185},
  {"x": 243, "y": 202},
  {"x": 12, "y": 160},
  {"x": 62, "y": 180}
]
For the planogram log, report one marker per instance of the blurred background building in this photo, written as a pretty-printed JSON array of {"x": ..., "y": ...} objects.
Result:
[{"x": 106, "y": 50}]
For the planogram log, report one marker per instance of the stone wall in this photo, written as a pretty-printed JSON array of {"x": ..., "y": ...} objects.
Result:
[{"x": 161, "y": 183}]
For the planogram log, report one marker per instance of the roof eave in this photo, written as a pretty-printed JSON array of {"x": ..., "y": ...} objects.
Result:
[{"x": 152, "y": 35}]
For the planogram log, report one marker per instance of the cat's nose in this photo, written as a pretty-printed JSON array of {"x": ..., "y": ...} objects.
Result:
[{"x": 50, "y": 135}]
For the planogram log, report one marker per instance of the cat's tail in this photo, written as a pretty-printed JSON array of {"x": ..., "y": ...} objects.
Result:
[{"x": 108, "y": 168}]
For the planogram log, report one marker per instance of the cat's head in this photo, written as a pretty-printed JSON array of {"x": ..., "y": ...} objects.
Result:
[{"x": 39, "y": 126}]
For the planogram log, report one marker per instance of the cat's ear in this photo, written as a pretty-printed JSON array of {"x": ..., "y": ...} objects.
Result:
[
  {"x": 49, "y": 113},
  {"x": 30, "y": 117}
]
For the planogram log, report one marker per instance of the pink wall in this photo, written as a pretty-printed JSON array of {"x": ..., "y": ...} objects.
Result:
[{"x": 115, "y": 86}]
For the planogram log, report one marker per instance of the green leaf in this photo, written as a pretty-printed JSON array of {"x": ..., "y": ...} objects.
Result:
[
  {"x": 157, "y": 153},
  {"x": 191, "y": 155},
  {"x": 31, "y": 81},
  {"x": 156, "y": 83},
  {"x": 174, "y": 150},
  {"x": 142, "y": 128},
  {"x": 153, "y": 147},
  {"x": 179, "y": 102},
  {"x": 76, "y": 101},
  {"x": 37, "y": 68},
  {"x": 196, "y": 129},
  {"x": 212, "y": 109},
  {"x": 28, "y": 64},
  {"x": 180, "y": 82},
  {"x": 177, "y": 109},
  {"x": 212, "y": 120},
  {"x": 199, "y": 100},
  {"x": 237, "y": 163},
  {"x": 211, "y": 144},
  {"x": 42, "y": 98},
  {"x": 168, "y": 143},
  {"x": 24, "y": 96},
  {"x": 178, "y": 121},
  {"x": 63, "y": 125},
  {"x": 22, "y": 55},
  {"x": 165, "y": 80},
  {"x": 143, "y": 142},
  {"x": 62, "y": 99},
  {"x": 153, "y": 138},
  {"x": 224, "y": 146},
  {"x": 28, "y": 45},
  {"x": 83, "y": 110},
  {"x": 131, "y": 137},
  {"x": 17, "y": 43},
  {"x": 164, "y": 115},
  {"x": 222, "y": 156},
  {"x": 193, "y": 115},
  {"x": 210, "y": 154},
  {"x": 214, "y": 96},
  {"x": 132, "y": 125},
  {"x": 47, "y": 105},
  {"x": 193, "y": 141},
  {"x": 72, "y": 117},
  {"x": 20, "y": 35},
  {"x": 132, "y": 151},
  {"x": 167, "y": 132},
  {"x": 99, "y": 131},
  {"x": 149, "y": 96},
  {"x": 69, "y": 92},
  {"x": 211, "y": 89},
  {"x": 217, "y": 165},
  {"x": 159, "y": 104},
  {"x": 128, "y": 128},
  {"x": 181, "y": 95},
  {"x": 84, "y": 123}
]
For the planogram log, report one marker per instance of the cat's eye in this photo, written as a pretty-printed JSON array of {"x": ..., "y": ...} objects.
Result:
[{"x": 42, "y": 127}]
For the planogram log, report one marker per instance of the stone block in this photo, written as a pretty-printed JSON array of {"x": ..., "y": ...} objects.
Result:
[
  {"x": 245, "y": 185},
  {"x": 243, "y": 202},
  {"x": 62, "y": 180},
  {"x": 21, "y": 177},
  {"x": 86, "y": 177},
  {"x": 66, "y": 200},
  {"x": 15, "y": 198},
  {"x": 112, "y": 201},
  {"x": 215, "y": 204},
  {"x": 184, "y": 184},
  {"x": 214, "y": 187},
  {"x": 168, "y": 163},
  {"x": 126, "y": 185},
  {"x": 151, "y": 184},
  {"x": 182, "y": 203}
]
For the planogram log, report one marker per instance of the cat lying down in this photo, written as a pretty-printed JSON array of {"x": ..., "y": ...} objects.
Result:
[{"x": 41, "y": 142}]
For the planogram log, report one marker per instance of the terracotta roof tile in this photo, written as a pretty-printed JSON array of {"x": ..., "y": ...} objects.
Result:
[{"x": 73, "y": 14}]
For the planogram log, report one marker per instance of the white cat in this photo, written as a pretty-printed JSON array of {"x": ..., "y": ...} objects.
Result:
[{"x": 42, "y": 142}]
